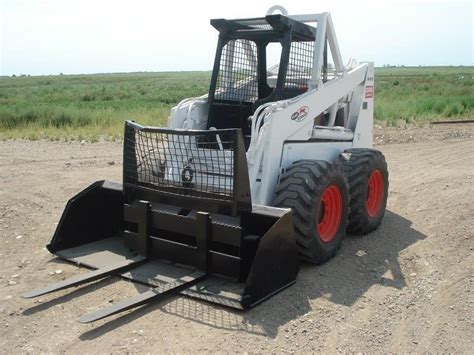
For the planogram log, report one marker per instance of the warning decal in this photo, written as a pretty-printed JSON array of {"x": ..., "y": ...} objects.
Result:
[{"x": 369, "y": 92}]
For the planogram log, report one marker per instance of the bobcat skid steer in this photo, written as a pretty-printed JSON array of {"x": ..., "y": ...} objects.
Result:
[{"x": 274, "y": 165}]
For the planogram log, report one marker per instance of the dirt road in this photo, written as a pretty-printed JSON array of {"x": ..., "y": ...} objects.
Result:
[{"x": 407, "y": 287}]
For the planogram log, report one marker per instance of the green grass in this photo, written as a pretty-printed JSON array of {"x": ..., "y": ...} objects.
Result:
[
  {"x": 91, "y": 106},
  {"x": 423, "y": 93},
  {"x": 94, "y": 106}
]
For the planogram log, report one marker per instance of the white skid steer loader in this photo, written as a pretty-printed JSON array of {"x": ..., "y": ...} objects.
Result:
[
  {"x": 273, "y": 165},
  {"x": 307, "y": 127}
]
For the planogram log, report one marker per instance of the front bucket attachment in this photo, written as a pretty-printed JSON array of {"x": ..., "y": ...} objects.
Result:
[
  {"x": 203, "y": 241},
  {"x": 93, "y": 214}
]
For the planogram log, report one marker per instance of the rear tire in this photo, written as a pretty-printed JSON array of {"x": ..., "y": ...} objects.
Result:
[
  {"x": 367, "y": 175},
  {"x": 318, "y": 195}
]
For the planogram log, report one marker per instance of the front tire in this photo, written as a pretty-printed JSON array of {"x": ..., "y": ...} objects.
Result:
[
  {"x": 317, "y": 193},
  {"x": 367, "y": 175}
]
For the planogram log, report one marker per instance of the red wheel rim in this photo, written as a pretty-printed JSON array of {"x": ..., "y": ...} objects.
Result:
[
  {"x": 330, "y": 212},
  {"x": 374, "y": 193}
]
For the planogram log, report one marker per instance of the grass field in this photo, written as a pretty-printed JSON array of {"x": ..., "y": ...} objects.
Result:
[{"x": 95, "y": 106}]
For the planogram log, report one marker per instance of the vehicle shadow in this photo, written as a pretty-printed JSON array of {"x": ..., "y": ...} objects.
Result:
[{"x": 361, "y": 263}]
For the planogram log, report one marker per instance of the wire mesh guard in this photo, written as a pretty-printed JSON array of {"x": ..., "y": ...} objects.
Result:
[
  {"x": 187, "y": 163},
  {"x": 256, "y": 24},
  {"x": 300, "y": 64},
  {"x": 237, "y": 79}
]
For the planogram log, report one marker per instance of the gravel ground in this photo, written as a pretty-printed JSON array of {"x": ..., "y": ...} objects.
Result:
[{"x": 407, "y": 287}]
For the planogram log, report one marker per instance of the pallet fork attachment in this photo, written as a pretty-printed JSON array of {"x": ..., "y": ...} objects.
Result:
[
  {"x": 86, "y": 278},
  {"x": 181, "y": 222}
]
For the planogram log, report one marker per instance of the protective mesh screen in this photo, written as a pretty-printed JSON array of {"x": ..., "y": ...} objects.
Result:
[
  {"x": 254, "y": 24},
  {"x": 237, "y": 78},
  {"x": 300, "y": 64},
  {"x": 199, "y": 165}
]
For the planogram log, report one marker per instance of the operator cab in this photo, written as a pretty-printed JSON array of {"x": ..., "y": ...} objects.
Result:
[{"x": 241, "y": 79}]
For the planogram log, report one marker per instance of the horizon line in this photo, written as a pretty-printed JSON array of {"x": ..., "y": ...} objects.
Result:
[{"x": 204, "y": 71}]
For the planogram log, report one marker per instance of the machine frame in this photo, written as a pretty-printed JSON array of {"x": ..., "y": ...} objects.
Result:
[{"x": 287, "y": 130}]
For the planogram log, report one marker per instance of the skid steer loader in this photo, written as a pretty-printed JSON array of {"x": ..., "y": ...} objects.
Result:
[{"x": 274, "y": 165}]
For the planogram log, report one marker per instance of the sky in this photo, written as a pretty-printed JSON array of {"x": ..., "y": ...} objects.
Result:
[{"x": 42, "y": 37}]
